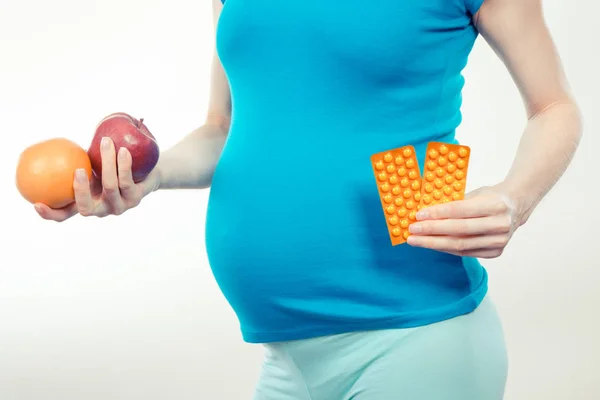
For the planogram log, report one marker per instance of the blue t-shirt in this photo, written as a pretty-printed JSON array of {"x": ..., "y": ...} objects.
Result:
[{"x": 295, "y": 233}]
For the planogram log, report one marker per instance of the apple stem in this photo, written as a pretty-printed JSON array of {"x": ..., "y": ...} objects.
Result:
[{"x": 141, "y": 122}]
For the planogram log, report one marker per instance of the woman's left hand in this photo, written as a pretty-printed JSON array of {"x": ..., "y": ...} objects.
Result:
[{"x": 480, "y": 226}]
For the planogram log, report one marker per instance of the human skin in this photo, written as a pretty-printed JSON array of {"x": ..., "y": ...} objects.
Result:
[
  {"x": 479, "y": 226},
  {"x": 483, "y": 224}
]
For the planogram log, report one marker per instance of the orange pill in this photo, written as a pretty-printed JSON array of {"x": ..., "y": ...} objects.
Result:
[
  {"x": 397, "y": 172},
  {"x": 450, "y": 173}
]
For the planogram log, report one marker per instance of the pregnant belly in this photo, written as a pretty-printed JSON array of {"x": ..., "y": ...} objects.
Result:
[
  {"x": 288, "y": 229},
  {"x": 283, "y": 238}
]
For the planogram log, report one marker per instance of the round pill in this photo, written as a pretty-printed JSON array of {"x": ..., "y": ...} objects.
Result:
[
  {"x": 388, "y": 157},
  {"x": 407, "y": 153},
  {"x": 443, "y": 149}
]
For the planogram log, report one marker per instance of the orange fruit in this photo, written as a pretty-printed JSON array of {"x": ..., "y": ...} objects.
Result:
[{"x": 46, "y": 170}]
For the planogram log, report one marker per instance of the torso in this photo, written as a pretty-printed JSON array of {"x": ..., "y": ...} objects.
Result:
[{"x": 295, "y": 233}]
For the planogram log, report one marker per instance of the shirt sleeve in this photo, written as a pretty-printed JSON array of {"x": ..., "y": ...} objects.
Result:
[{"x": 472, "y": 5}]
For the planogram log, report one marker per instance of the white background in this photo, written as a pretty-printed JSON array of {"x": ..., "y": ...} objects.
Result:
[{"x": 126, "y": 308}]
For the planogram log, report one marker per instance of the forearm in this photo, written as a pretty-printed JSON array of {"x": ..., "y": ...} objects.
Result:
[
  {"x": 190, "y": 163},
  {"x": 546, "y": 149}
]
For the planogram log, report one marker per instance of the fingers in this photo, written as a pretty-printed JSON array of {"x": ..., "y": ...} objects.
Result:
[
  {"x": 462, "y": 227},
  {"x": 83, "y": 196},
  {"x": 124, "y": 164},
  {"x": 100, "y": 198},
  {"x": 477, "y": 206},
  {"x": 110, "y": 180},
  {"x": 461, "y": 246},
  {"x": 484, "y": 253},
  {"x": 58, "y": 215}
]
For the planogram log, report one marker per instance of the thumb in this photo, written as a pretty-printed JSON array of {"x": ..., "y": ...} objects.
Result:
[
  {"x": 476, "y": 192},
  {"x": 58, "y": 215}
]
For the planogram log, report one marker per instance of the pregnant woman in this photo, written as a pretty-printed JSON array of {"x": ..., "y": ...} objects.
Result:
[{"x": 303, "y": 92}]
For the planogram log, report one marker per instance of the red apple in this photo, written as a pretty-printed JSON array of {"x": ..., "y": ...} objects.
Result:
[{"x": 126, "y": 131}]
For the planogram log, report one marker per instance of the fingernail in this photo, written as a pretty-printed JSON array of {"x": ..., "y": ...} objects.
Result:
[
  {"x": 122, "y": 154},
  {"x": 415, "y": 228},
  {"x": 104, "y": 143},
  {"x": 38, "y": 208},
  {"x": 422, "y": 214},
  {"x": 80, "y": 175}
]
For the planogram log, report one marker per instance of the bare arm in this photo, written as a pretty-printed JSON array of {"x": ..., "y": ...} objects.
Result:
[
  {"x": 188, "y": 164},
  {"x": 482, "y": 224},
  {"x": 517, "y": 32},
  {"x": 191, "y": 162}
]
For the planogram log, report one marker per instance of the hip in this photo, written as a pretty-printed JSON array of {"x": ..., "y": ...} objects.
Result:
[{"x": 459, "y": 358}]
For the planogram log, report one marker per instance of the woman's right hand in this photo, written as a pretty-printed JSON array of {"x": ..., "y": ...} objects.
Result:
[{"x": 113, "y": 195}]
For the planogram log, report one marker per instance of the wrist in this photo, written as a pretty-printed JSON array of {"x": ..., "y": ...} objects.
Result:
[
  {"x": 521, "y": 199},
  {"x": 153, "y": 182}
]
